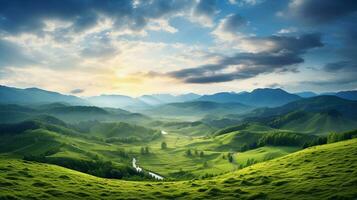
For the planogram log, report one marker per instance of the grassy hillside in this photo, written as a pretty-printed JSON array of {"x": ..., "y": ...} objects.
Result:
[
  {"x": 314, "y": 123},
  {"x": 123, "y": 131},
  {"x": 322, "y": 172}
]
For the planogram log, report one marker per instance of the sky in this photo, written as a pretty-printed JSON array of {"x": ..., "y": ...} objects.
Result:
[{"x": 135, "y": 47}]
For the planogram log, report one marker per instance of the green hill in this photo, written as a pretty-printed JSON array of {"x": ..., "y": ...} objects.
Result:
[
  {"x": 316, "y": 115},
  {"x": 346, "y": 107},
  {"x": 70, "y": 114},
  {"x": 314, "y": 123},
  {"x": 123, "y": 131},
  {"x": 322, "y": 172},
  {"x": 197, "y": 109}
]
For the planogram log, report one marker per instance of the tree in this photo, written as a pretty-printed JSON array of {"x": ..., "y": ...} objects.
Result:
[
  {"x": 244, "y": 148},
  {"x": 196, "y": 152},
  {"x": 163, "y": 145},
  {"x": 202, "y": 154},
  {"x": 230, "y": 157},
  {"x": 142, "y": 150},
  {"x": 147, "y": 150},
  {"x": 188, "y": 152}
]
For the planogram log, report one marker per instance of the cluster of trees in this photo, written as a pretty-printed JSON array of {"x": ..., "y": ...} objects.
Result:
[
  {"x": 19, "y": 127},
  {"x": 331, "y": 138},
  {"x": 97, "y": 167},
  {"x": 281, "y": 139},
  {"x": 229, "y": 157},
  {"x": 336, "y": 137},
  {"x": 248, "y": 163},
  {"x": 276, "y": 139},
  {"x": 246, "y": 147},
  {"x": 130, "y": 139},
  {"x": 144, "y": 150},
  {"x": 196, "y": 153}
]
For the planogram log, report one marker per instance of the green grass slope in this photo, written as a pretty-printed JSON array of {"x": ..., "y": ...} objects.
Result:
[
  {"x": 321, "y": 172},
  {"x": 314, "y": 123}
]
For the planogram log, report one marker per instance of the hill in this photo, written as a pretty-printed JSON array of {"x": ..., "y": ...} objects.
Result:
[
  {"x": 67, "y": 113},
  {"x": 315, "y": 115},
  {"x": 347, "y": 108},
  {"x": 198, "y": 109},
  {"x": 322, "y": 172},
  {"x": 10, "y": 95},
  {"x": 322, "y": 122},
  {"x": 265, "y": 97},
  {"x": 350, "y": 95}
]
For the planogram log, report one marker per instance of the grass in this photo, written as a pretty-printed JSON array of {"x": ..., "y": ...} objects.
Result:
[
  {"x": 321, "y": 172},
  {"x": 263, "y": 154}
]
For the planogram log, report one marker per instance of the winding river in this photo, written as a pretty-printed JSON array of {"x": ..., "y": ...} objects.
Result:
[{"x": 152, "y": 174}]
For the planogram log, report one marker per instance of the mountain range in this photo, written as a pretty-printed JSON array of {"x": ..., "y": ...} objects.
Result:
[
  {"x": 262, "y": 97},
  {"x": 265, "y": 97}
]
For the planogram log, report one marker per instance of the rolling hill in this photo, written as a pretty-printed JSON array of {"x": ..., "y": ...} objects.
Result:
[
  {"x": 314, "y": 122},
  {"x": 197, "y": 109},
  {"x": 322, "y": 172},
  {"x": 70, "y": 114},
  {"x": 315, "y": 115}
]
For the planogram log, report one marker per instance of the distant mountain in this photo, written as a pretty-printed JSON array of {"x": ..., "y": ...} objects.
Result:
[
  {"x": 150, "y": 100},
  {"x": 118, "y": 101},
  {"x": 159, "y": 99},
  {"x": 265, "y": 97},
  {"x": 67, "y": 113},
  {"x": 350, "y": 95},
  {"x": 313, "y": 104},
  {"x": 10, "y": 95},
  {"x": 198, "y": 109},
  {"x": 306, "y": 94},
  {"x": 188, "y": 97}
]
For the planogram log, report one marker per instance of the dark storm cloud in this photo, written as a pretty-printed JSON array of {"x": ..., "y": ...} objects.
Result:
[
  {"x": 346, "y": 66},
  {"x": 321, "y": 11},
  {"x": 77, "y": 91},
  {"x": 17, "y": 16},
  {"x": 282, "y": 57},
  {"x": 11, "y": 54}
]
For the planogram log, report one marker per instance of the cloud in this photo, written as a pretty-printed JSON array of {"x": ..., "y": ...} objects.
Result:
[
  {"x": 11, "y": 54},
  {"x": 320, "y": 11},
  {"x": 233, "y": 23},
  {"x": 341, "y": 66},
  {"x": 77, "y": 91},
  {"x": 245, "y": 2},
  {"x": 18, "y": 16},
  {"x": 205, "y": 11},
  {"x": 282, "y": 57}
]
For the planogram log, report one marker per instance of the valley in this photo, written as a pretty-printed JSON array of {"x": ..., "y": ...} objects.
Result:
[{"x": 241, "y": 147}]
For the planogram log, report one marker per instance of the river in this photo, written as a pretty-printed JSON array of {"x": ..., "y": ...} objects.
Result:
[{"x": 152, "y": 174}]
